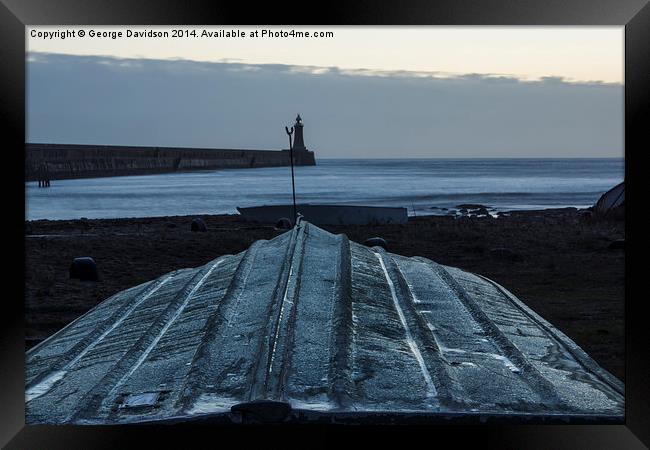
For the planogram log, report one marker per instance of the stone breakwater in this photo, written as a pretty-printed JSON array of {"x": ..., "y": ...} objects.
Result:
[{"x": 63, "y": 161}]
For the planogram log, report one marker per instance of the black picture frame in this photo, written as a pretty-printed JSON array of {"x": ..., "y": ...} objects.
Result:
[{"x": 16, "y": 14}]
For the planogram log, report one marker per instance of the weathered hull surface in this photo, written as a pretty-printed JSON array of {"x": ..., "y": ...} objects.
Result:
[{"x": 321, "y": 328}]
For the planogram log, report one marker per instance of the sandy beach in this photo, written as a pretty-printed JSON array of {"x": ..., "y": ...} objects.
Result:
[{"x": 559, "y": 262}]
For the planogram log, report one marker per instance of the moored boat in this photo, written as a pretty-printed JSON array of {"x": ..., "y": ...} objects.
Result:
[{"x": 328, "y": 214}]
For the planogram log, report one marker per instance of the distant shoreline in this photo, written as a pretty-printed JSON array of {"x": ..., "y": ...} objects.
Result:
[{"x": 505, "y": 213}]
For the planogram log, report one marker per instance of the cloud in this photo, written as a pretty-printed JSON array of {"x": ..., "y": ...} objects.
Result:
[{"x": 347, "y": 113}]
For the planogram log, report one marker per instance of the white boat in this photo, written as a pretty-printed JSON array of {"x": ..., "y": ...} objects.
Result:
[{"x": 327, "y": 214}]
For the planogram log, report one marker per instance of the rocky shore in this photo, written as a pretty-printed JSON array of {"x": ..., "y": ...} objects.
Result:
[{"x": 563, "y": 263}]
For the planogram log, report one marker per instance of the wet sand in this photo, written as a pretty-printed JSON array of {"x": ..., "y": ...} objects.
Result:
[{"x": 558, "y": 262}]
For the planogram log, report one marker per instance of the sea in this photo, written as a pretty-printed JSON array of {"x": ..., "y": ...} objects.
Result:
[{"x": 423, "y": 186}]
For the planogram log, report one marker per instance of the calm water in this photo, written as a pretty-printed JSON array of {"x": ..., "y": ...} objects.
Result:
[{"x": 421, "y": 185}]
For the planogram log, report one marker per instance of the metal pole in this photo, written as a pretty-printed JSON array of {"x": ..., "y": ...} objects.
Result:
[{"x": 293, "y": 182}]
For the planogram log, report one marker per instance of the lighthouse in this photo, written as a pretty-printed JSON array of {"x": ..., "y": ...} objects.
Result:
[
  {"x": 298, "y": 142},
  {"x": 297, "y": 150}
]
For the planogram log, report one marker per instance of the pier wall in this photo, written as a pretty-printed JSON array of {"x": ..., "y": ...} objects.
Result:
[{"x": 63, "y": 161}]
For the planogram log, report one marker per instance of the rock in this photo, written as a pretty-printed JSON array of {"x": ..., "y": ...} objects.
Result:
[
  {"x": 198, "y": 225},
  {"x": 470, "y": 206},
  {"x": 505, "y": 254},
  {"x": 618, "y": 244},
  {"x": 376, "y": 242},
  {"x": 283, "y": 224},
  {"x": 84, "y": 269}
]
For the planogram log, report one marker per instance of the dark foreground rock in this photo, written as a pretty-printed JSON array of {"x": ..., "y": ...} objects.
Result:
[{"x": 198, "y": 225}]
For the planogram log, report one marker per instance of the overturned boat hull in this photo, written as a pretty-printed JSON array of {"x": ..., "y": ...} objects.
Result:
[
  {"x": 310, "y": 326},
  {"x": 612, "y": 201}
]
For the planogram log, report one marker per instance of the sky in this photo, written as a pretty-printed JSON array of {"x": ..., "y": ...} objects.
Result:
[{"x": 362, "y": 91}]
